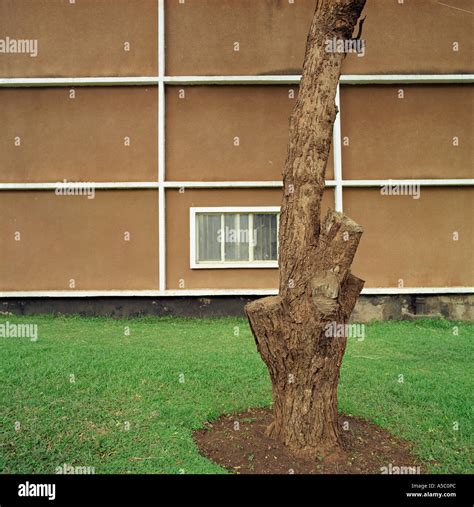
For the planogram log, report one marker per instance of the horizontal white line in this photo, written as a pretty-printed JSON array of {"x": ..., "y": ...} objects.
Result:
[
  {"x": 406, "y": 78},
  {"x": 78, "y": 184},
  {"x": 229, "y": 80},
  {"x": 234, "y": 209},
  {"x": 235, "y": 265},
  {"x": 344, "y": 79},
  {"x": 79, "y": 81},
  {"x": 421, "y": 182},
  {"x": 228, "y": 184},
  {"x": 233, "y": 80},
  {"x": 417, "y": 290},
  {"x": 219, "y": 292},
  {"x": 147, "y": 184},
  {"x": 137, "y": 293}
]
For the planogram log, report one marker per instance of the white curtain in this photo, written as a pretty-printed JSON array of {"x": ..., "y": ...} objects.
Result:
[
  {"x": 236, "y": 228},
  {"x": 265, "y": 225},
  {"x": 208, "y": 245}
]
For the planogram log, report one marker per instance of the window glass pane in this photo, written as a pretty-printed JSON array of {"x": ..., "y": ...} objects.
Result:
[
  {"x": 265, "y": 229},
  {"x": 208, "y": 237},
  {"x": 236, "y": 237}
]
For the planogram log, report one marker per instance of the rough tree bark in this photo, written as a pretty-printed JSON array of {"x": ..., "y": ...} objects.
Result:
[{"x": 316, "y": 285}]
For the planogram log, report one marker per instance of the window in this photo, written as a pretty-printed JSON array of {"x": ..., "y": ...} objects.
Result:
[{"x": 239, "y": 237}]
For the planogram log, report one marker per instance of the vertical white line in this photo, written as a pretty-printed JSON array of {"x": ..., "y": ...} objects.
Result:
[
  {"x": 193, "y": 238},
  {"x": 337, "y": 151},
  {"x": 161, "y": 39},
  {"x": 251, "y": 239},
  {"x": 161, "y": 147},
  {"x": 278, "y": 236},
  {"x": 223, "y": 238}
]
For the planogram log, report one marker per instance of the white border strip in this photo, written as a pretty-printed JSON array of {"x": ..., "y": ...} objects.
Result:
[
  {"x": 78, "y": 81},
  {"x": 232, "y": 80},
  {"x": 405, "y": 78},
  {"x": 110, "y": 185},
  {"x": 337, "y": 153},
  {"x": 232, "y": 184},
  {"x": 421, "y": 182},
  {"x": 218, "y": 292},
  {"x": 161, "y": 148},
  {"x": 228, "y": 184},
  {"x": 350, "y": 79},
  {"x": 161, "y": 39}
]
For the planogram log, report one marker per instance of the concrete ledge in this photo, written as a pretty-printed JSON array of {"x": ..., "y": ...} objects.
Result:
[{"x": 368, "y": 308}]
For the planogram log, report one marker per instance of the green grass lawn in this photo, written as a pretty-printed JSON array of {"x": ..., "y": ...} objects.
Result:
[{"x": 87, "y": 394}]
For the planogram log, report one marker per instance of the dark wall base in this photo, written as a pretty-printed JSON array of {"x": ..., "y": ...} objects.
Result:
[
  {"x": 221, "y": 306},
  {"x": 396, "y": 307}
]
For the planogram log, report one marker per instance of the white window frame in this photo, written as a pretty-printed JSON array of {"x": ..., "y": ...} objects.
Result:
[{"x": 250, "y": 264}]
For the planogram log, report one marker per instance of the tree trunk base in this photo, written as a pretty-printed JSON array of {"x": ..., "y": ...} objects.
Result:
[{"x": 295, "y": 338}]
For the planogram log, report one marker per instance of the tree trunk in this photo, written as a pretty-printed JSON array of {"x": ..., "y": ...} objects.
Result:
[{"x": 316, "y": 285}]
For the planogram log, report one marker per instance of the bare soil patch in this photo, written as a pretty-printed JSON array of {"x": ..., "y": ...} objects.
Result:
[{"x": 247, "y": 450}]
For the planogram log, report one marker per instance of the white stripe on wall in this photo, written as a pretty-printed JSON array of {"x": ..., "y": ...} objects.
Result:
[
  {"x": 111, "y": 185},
  {"x": 161, "y": 149},
  {"x": 355, "y": 79},
  {"x": 219, "y": 292}
]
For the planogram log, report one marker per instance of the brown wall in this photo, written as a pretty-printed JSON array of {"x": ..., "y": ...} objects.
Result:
[
  {"x": 82, "y": 39},
  {"x": 79, "y": 139},
  {"x": 411, "y": 137},
  {"x": 404, "y": 238},
  {"x": 64, "y": 237},
  {"x": 177, "y": 234},
  {"x": 412, "y": 239},
  {"x": 413, "y": 37},
  {"x": 82, "y": 139},
  {"x": 201, "y": 128},
  {"x": 87, "y": 38}
]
